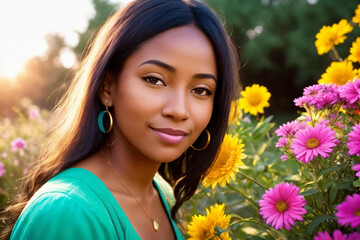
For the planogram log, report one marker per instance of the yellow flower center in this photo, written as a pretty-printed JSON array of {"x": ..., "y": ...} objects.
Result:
[
  {"x": 254, "y": 100},
  {"x": 312, "y": 143},
  {"x": 207, "y": 234},
  {"x": 357, "y": 212},
  {"x": 281, "y": 206}
]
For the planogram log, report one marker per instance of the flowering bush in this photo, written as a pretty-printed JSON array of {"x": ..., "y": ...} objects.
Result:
[
  {"x": 303, "y": 183},
  {"x": 19, "y": 144}
]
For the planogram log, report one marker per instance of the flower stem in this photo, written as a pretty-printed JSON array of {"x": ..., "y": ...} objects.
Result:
[
  {"x": 325, "y": 196},
  {"x": 245, "y": 196},
  {"x": 253, "y": 180},
  {"x": 336, "y": 54}
]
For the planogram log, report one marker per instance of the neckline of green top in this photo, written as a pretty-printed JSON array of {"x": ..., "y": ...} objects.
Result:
[{"x": 105, "y": 190}]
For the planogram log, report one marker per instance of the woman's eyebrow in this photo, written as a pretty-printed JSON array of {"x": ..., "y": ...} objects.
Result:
[
  {"x": 160, "y": 64},
  {"x": 172, "y": 69},
  {"x": 205, "y": 75}
]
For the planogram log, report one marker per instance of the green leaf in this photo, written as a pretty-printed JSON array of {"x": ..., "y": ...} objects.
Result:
[
  {"x": 344, "y": 185},
  {"x": 328, "y": 184},
  {"x": 333, "y": 193},
  {"x": 357, "y": 183},
  {"x": 328, "y": 170},
  {"x": 310, "y": 191},
  {"x": 261, "y": 129},
  {"x": 318, "y": 220},
  {"x": 255, "y": 238}
]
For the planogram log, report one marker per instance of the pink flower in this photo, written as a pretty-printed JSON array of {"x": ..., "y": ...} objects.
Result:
[
  {"x": 34, "y": 112},
  {"x": 282, "y": 142},
  {"x": 2, "y": 169},
  {"x": 354, "y": 236},
  {"x": 16, "y": 162},
  {"x": 349, "y": 211},
  {"x": 313, "y": 141},
  {"x": 312, "y": 90},
  {"x": 356, "y": 168},
  {"x": 301, "y": 101},
  {"x": 284, "y": 157},
  {"x": 354, "y": 140},
  {"x": 326, "y": 100},
  {"x": 288, "y": 128},
  {"x": 17, "y": 144},
  {"x": 337, "y": 235},
  {"x": 321, "y": 96},
  {"x": 350, "y": 91},
  {"x": 246, "y": 120},
  {"x": 282, "y": 205}
]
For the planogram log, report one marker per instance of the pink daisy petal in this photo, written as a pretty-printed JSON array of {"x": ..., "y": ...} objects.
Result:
[
  {"x": 354, "y": 141},
  {"x": 350, "y": 92}
]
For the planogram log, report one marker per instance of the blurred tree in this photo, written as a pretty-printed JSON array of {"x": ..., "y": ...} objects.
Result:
[
  {"x": 277, "y": 43},
  {"x": 44, "y": 76},
  {"x": 103, "y": 9},
  {"x": 8, "y": 96}
]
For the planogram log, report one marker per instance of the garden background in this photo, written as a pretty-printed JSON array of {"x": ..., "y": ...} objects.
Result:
[{"x": 276, "y": 41}]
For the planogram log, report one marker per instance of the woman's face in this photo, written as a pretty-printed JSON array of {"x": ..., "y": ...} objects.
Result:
[{"x": 163, "y": 99}]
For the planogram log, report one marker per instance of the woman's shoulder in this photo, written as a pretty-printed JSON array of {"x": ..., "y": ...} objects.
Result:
[
  {"x": 67, "y": 206},
  {"x": 74, "y": 186}
]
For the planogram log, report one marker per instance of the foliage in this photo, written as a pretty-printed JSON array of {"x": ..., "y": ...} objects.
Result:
[
  {"x": 103, "y": 9},
  {"x": 19, "y": 144}
]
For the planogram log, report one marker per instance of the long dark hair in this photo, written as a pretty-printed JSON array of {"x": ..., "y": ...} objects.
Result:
[{"x": 75, "y": 134}]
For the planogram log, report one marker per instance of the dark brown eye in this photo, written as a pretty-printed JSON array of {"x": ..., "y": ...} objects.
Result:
[
  {"x": 153, "y": 80},
  {"x": 202, "y": 91}
]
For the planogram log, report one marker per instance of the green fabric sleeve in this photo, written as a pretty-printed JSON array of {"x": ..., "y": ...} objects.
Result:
[{"x": 62, "y": 216}]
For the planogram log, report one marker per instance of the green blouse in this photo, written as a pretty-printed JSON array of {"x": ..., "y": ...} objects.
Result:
[{"x": 76, "y": 204}]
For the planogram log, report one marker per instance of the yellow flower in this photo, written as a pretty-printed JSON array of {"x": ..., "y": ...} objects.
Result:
[
  {"x": 202, "y": 227},
  {"x": 235, "y": 112},
  {"x": 356, "y": 18},
  {"x": 338, "y": 73},
  {"x": 254, "y": 99},
  {"x": 328, "y": 36},
  {"x": 227, "y": 162},
  {"x": 355, "y": 51}
]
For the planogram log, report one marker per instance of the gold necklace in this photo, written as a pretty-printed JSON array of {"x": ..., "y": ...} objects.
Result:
[{"x": 155, "y": 224}]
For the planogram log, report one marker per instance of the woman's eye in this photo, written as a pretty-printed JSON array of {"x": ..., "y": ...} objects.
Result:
[
  {"x": 202, "y": 91},
  {"x": 153, "y": 80}
]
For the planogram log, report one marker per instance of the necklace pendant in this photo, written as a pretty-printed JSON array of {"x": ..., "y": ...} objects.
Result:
[{"x": 155, "y": 225}]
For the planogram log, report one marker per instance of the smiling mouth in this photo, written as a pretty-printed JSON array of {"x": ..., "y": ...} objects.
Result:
[{"x": 170, "y": 136}]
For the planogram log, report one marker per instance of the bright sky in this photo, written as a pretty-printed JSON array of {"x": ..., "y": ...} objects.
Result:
[{"x": 25, "y": 23}]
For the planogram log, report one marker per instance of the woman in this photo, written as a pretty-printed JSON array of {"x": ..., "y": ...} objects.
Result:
[{"x": 152, "y": 95}]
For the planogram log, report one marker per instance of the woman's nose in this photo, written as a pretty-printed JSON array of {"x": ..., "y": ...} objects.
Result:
[{"x": 176, "y": 106}]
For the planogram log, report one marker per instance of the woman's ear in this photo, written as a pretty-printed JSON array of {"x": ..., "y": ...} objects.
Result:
[{"x": 106, "y": 90}]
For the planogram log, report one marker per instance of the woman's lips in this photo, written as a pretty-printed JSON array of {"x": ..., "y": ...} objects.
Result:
[{"x": 169, "y": 135}]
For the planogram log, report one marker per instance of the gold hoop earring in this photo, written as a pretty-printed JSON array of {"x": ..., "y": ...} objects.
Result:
[{"x": 207, "y": 142}]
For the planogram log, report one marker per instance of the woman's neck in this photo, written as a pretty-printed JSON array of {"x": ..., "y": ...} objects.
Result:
[{"x": 135, "y": 171}]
